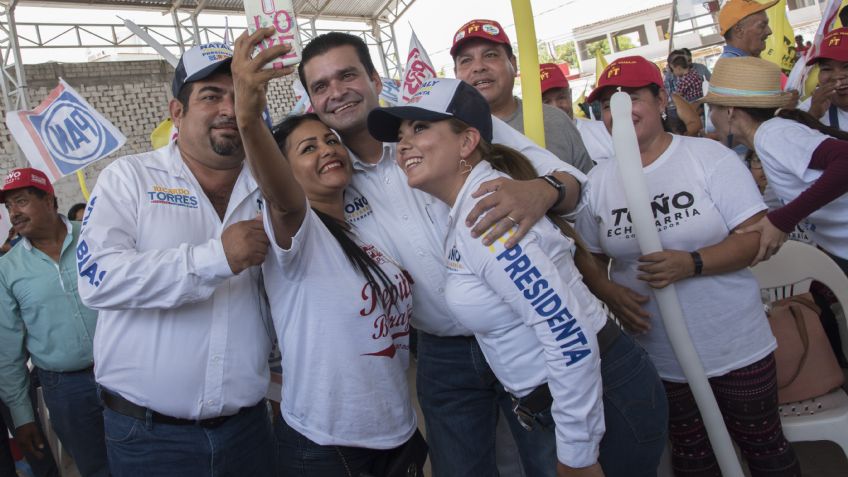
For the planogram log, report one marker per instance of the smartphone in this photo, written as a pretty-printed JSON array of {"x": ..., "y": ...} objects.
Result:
[{"x": 280, "y": 15}]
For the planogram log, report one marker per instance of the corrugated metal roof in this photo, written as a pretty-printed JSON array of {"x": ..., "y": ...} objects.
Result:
[{"x": 306, "y": 8}]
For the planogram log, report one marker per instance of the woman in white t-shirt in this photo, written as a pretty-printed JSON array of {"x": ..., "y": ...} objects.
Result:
[
  {"x": 542, "y": 332},
  {"x": 701, "y": 194},
  {"x": 806, "y": 162},
  {"x": 341, "y": 306}
]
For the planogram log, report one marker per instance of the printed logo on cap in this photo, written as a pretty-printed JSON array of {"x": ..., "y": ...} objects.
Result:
[
  {"x": 834, "y": 40},
  {"x": 613, "y": 71},
  {"x": 491, "y": 29},
  {"x": 459, "y": 36},
  {"x": 38, "y": 179},
  {"x": 215, "y": 52},
  {"x": 424, "y": 90},
  {"x": 12, "y": 176},
  {"x": 543, "y": 75}
]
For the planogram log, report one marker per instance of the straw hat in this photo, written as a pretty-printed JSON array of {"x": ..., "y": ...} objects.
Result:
[{"x": 746, "y": 82}]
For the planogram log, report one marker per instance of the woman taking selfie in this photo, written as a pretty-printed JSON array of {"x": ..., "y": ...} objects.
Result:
[
  {"x": 340, "y": 304},
  {"x": 543, "y": 334}
]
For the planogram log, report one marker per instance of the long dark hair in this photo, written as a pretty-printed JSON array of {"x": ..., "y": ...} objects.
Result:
[
  {"x": 340, "y": 229},
  {"x": 516, "y": 165},
  {"x": 762, "y": 115}
]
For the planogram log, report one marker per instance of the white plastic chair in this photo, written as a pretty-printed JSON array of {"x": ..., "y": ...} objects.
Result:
[{"x": 788, "y": 273}]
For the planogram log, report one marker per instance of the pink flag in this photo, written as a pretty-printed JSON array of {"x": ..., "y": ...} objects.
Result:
[{"x": 418, "y": 69}]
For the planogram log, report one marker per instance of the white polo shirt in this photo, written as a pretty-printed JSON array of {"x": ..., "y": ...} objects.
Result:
[
  {"x": 535, "y": 320},
  {"x": 177, "y": 332},
  {"x": 412, "y": 225}
]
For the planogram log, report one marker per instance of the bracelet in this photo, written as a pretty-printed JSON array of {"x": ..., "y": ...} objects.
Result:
[
  {"x": 699, "y": 263},
  {"x": 556, "y": 184}
]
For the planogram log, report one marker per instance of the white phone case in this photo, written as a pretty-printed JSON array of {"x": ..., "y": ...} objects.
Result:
[{"x": 280, "y": 15}]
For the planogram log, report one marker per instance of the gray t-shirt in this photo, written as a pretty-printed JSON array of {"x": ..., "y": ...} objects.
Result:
[{"x": 561, "y": 136}]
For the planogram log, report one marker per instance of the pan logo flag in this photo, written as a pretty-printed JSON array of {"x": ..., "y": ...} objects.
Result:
[{"x": 64, "y": 133}]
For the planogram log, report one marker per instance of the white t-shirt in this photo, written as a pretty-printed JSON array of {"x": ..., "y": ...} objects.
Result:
[
  {"x": 534, "y": 319},
  {"x": 596, "y": 138},
  {"x": 841, "y": 114},
  {"x": 700, "y": 191},
  {"x": 344, "y": 354},
  {"x": 785, "y": 148}
]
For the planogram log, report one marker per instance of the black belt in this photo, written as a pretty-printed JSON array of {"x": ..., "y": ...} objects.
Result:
[
  {"x": 120, "y": 405},
  {"x": 540, "y": 399}
]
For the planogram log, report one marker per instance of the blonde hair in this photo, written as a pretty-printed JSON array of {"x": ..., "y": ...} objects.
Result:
[{"x": 516, "y": 165}]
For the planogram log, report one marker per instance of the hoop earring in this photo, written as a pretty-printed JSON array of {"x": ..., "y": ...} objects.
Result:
[{"x": 464, "y": 167}]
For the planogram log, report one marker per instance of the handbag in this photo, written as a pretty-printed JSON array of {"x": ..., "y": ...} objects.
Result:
[
  {"x": 806, "y": 365},
  {"x": 404, "y": 461}
]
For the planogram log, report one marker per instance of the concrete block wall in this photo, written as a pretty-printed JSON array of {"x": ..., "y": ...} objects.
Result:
[{"x": 133, "y": 95}]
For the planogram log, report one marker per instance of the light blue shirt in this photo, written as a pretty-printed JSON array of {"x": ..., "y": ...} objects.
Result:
[
  {"x": 732, "y": 52},
  {"x": 41, "y": 317}
]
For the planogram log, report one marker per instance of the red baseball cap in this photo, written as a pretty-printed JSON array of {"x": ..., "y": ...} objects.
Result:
[
  {"x": 26, "y": 177},
  {"x": 834, "y": 46},
  {"x": 627, "y": 72},
  {"x": 486, "y": 29},
  {"x": 552, "y": 77}
]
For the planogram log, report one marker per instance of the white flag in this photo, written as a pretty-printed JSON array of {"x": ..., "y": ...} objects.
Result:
[
  {"x": 64, "y": 133},
  {"x": 418, "y": 69}
]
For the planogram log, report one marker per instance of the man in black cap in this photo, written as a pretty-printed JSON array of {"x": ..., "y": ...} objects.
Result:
[{"x": 169, "y": 255}]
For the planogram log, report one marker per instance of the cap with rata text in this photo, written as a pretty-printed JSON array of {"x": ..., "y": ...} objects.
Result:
[
  {"x": 834, "y": 46},
  {"x": 551, "y": 77},
  {"x": 25, "y": 177},
  {"x": 627, "y": 72},
  {"x": 489, "y": 30},
  {"x": 436, "y": 100},
  {"x": 200, "y": 62},
  {"x": 734, "y": 11}
]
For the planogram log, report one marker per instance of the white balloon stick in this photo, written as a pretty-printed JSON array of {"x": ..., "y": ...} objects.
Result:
[
  {"x": 638, "y": 201},
  {"x": 139, "y": 32}
]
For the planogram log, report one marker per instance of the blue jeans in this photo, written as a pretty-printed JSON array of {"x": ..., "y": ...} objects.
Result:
[
  {"x": 460, "y": 398},
  {"x": 77, "y": 418},
  {"x": 298, "y": 456},
  {"x": 241, "y": 446},
  {"x": 635, "y": 412}
]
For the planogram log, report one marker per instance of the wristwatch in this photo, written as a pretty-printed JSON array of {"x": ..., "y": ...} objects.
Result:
[
  {"x": 556, "y": 184},
  {"x": 699, "y": 264}
]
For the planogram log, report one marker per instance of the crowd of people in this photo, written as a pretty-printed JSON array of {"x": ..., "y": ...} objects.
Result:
[{"x": 150, "y": 315}]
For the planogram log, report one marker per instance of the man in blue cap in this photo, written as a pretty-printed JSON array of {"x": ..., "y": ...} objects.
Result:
[{"x": 169, "y": 254}]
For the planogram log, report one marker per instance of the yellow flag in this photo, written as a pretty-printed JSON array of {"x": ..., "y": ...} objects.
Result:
[
  {"x": 780, "y": 45},
  {"x": 161, "y": 136},
  {"x": 838, "y": 23},
  {"x": 600, "y": 64},
  {"x": 575, "y": 107}
]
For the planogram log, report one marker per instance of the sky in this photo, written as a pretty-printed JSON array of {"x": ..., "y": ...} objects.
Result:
[{"x": 434, "y": 22}]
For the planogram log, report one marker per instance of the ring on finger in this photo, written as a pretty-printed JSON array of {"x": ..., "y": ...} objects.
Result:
[{"x": 512, "y": 220}]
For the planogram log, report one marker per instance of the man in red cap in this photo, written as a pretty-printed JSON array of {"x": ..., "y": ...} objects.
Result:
[
  {"x": 829, "y": 101},
  {"x": 42, "y": 318},
  {"x": 483, "y": 58},
  {"x": 556, "y": 92}
]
